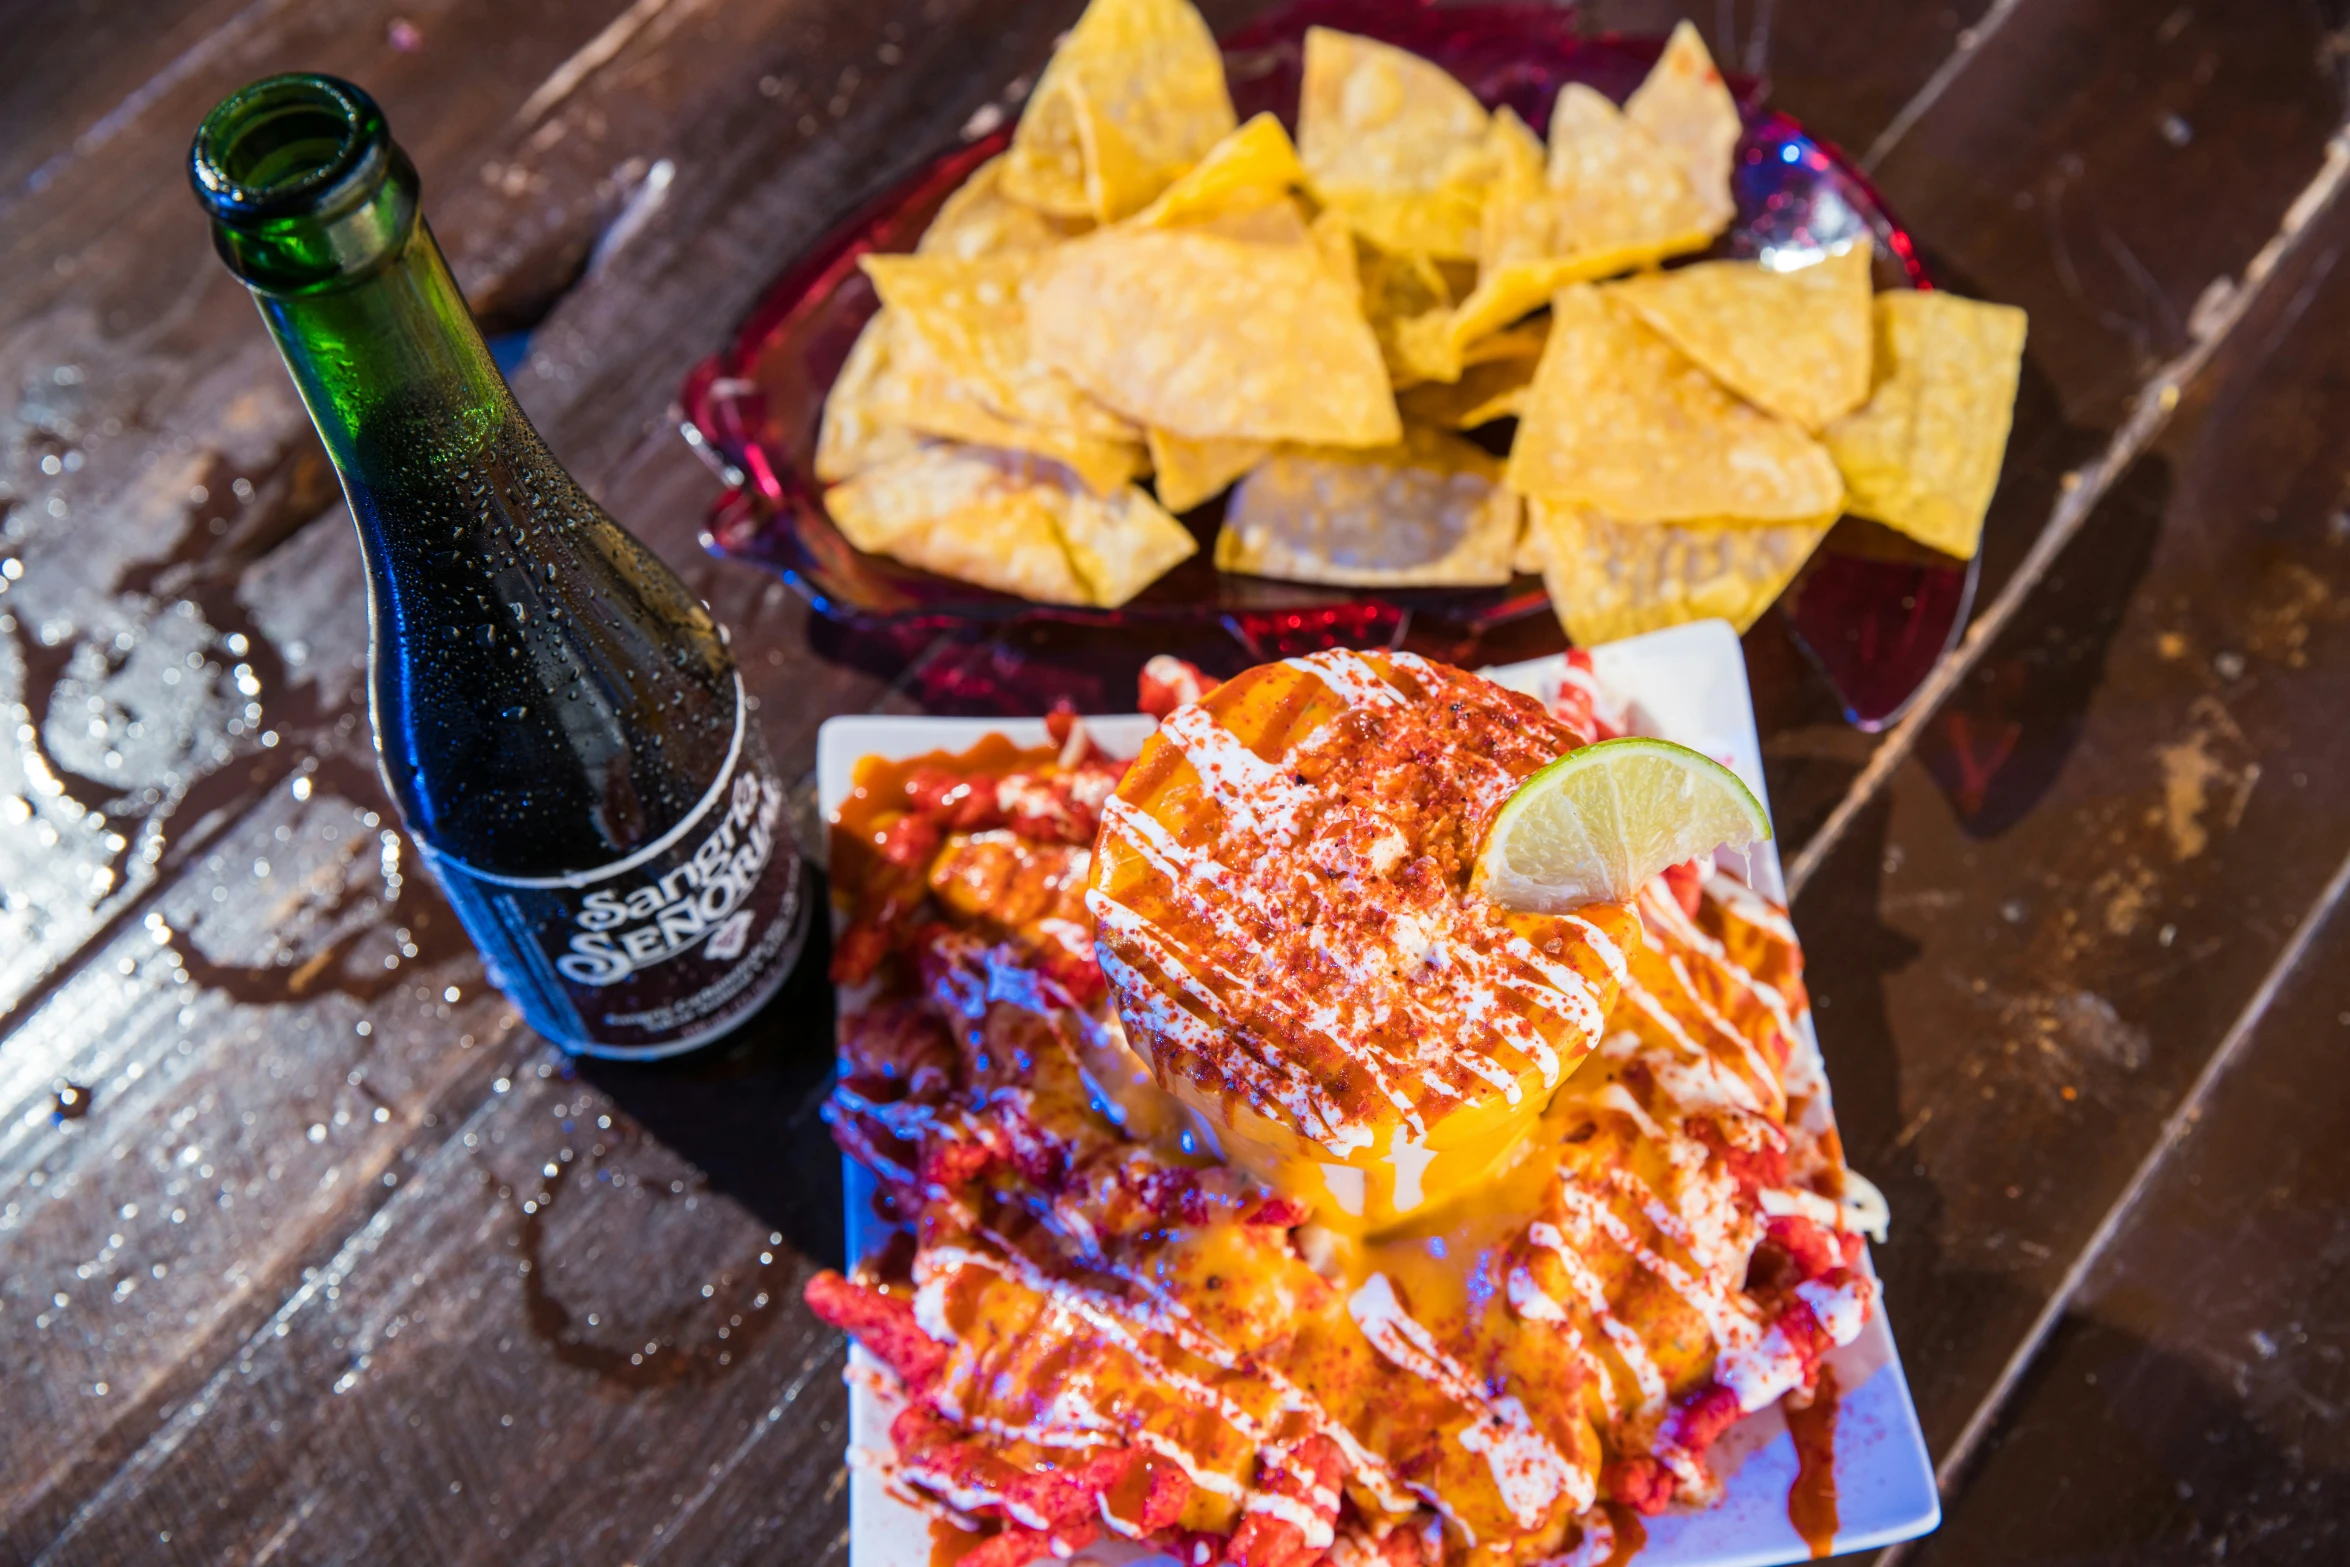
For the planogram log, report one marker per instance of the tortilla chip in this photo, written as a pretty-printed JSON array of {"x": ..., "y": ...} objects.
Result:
[
  {"x": 894, "y": 392},
  {"x": 1398, "y": 289},
  {"x": 1684, "y": 105},
  {"x": 1203, "y": 336},
  {"x": 857, "y": 432},
  {"x": 1608, "y": 199},
  {"x": 980, "y": 220},
  {"x": 1923, "y": 454},
  {"x": 1333, "y": 238},
  {"x": 1531, "y": 558},
  {"x": 1619, "y": 420},
  {"x": 1278, "y": 222},
  {"x": 1104, "y": 466},
  {"x": 1617, "y": 198},
  {"x": 1252, "y": 167},
  {"x": 1429, "y": 511},
  {"x": 1009, "y": 522},
  {"x": 1520, "y": 342},
  {"x": 973, "y": 315},
  {"x": 966, "y": 513},
  {"x": 1495, "y": 375},
  {"x": 1521, "y": 177},
  {"x": 1120, "y": 544},
  {"x": 1485, "y": 392},
  {"x": 1795, "y": 343},
  {"x": 1610, "y": 579},
  {"x": 1191, "y": 473},
  {"x": 1133, "y": 97},
  {"x": 1006, "y": 543},
  {"x": 1392, "y": 141}
]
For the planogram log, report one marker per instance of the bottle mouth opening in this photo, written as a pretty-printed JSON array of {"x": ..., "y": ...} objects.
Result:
[{"x": 283, "y": 146}]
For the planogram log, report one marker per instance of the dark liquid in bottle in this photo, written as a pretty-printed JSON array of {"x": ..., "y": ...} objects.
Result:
[
  {"x": 566, "y": 735},
  {"x": 547, "y": 697}
]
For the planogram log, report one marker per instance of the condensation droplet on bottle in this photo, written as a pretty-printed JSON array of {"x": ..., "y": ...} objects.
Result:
[{"x": 486, "y": 634}]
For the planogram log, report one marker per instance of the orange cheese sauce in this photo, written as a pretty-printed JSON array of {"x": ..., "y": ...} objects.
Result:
[
  {"x": 1282, "y": 890},
  {"x": 1811, "y": 1504},
  {"x": 882, "y": 794}
]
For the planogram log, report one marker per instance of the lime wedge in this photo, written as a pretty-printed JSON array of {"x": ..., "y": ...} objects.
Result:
[{"x": 1596, "y": 824}]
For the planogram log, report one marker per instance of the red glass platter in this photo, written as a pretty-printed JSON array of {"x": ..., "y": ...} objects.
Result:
[{"x": 1873, "y": 612}]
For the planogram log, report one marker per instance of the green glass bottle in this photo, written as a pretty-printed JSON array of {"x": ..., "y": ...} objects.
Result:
[{"x": 558, "y": 717}]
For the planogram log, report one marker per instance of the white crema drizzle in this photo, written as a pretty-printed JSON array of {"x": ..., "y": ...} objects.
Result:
[
  {"x": 1117, "y": 1321},
  {"x": 1620, "y": 1335},
  {"x": 1257, "y": 796},
  {"x": 1527, "y": 1470},
  {"x": 1470, "y": 1007}
]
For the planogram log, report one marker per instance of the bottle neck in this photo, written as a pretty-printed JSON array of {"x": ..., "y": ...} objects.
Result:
[
  {"x": 395, "y": 342},
  {"x": 547, "y": 696},
  {"x": 315, "y": 208}
]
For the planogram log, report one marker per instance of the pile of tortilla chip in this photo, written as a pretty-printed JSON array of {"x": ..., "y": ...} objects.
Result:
[{"x": 1143, "y": 304}]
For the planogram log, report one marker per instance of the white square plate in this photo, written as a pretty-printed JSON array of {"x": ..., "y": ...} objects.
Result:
[{"x": 1687, "y": 684}]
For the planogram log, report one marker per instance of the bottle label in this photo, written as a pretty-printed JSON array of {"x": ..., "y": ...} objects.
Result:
[{"x": 664, "y": 950}]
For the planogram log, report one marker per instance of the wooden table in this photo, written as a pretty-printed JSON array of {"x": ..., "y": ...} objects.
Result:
[{"x": 308, "y": 1252}]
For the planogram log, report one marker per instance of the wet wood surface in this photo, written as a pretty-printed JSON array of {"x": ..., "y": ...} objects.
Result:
[{"x": 308, "y": 1252}]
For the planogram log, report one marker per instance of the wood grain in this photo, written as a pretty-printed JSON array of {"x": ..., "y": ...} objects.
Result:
[
  {"x": 610, "y": 1331},
  {"x": 2109, "y": 166},
  {"x": 403, "y": 1338},
  {"x": 157, "y": 1384},
  {"x": 239, "y": 1125},
  {"x": 2065, "y": 899},
  {"x": 2190, "y": 1395},
  {"x": 172, "y": 427}
]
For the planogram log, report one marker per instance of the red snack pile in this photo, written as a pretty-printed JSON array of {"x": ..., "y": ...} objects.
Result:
[{"x": 1090, "y": 1325}]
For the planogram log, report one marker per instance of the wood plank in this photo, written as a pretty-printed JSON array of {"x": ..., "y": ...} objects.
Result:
[
  {"x": 748, "y": 186},
  {"x": 181, "y": 456},
  {"x": 502, "y": 1366},
  {"x": 1846, "y": 72},
  {"x": 2104, "y": 164},
  {"x": 208, "y": 1054},
  {"x": 67, "y": 78},
  {"x": 2113, "y": 167},
  {"x": 643, "y": 465},
  {"x": 647, "y": 464},
  {"x": 139, "y": 1368},
  {"x": 2188, "y": 1405},
  {"x": 202, "y": 1049},
  {"x": 2034, "y": 942},
  {"x": 233, "y": 1123}
]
